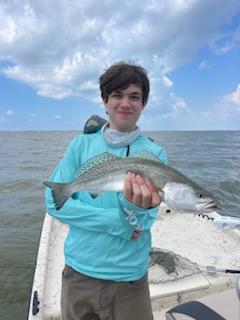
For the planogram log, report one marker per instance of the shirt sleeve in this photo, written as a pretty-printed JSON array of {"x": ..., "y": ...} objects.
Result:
[
  {"x": 138, "y": 217},
  {"x": 163, "y": 156},
  {"x": 78, "y": 213}
]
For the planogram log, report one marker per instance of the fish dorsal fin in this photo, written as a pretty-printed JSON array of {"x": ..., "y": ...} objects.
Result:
[
  {"x": 91, "y": 163},
  {"x": 144, "y": 154}
]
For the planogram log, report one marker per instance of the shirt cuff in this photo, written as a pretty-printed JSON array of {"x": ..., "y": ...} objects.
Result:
[{"x": 137, "y": 217}]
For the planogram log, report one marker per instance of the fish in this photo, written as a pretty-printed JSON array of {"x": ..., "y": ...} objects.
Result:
[{"x": 106, "y": 173}]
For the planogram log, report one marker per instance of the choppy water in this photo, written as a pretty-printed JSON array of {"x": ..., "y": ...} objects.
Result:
[{"x": 27, "y": 159}]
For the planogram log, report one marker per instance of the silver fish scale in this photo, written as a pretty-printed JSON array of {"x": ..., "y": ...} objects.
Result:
[
  {"x": 94, "y": 163},
  {"x": 116, "y": 166}
]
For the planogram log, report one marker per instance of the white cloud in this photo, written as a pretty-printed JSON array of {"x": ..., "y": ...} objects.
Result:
[
  {"x": 58, "y": 117},
  {"x": 204, "y": 65},
  {"x": 10, "y": 113},
  {"x": 5, "y": 117},
  {"x": 177, "y": 102},
  {"x": 168, "y": 83},
  {"x": 163, "y": 100},
  {"x": 224, "y": 113},
  {"x": 234, "y": 97},
  {"x": 225, "y": 109},
  {"x": 60, "y": 47},
  {"x": 226, "y": 41}
]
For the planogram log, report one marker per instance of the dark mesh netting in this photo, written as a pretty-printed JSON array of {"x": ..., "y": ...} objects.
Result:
[{"x": 165, "y": 266}]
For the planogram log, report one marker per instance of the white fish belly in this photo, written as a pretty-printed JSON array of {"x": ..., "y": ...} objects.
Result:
[
  {"x": 107, "y": 183},
  {"x": 115, "y": 186}
]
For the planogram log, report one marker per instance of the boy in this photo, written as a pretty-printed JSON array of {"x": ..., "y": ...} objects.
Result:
[{"x": 107, "y": 248}]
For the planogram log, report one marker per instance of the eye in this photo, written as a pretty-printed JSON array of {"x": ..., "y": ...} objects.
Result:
[
  {"x": 136, "y": 98},
  {"x": 116, "y": 95},
  {"x": 201, "y": 195}
]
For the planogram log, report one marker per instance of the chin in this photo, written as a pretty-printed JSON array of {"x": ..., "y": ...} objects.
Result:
[{"x": 126, "y": 127}]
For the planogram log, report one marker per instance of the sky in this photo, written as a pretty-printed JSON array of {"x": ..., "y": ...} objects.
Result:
[{"x": 53, "y": 52}]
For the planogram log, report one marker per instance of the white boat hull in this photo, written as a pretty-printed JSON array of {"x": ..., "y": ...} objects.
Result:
[{"x": 192, "y": 237}]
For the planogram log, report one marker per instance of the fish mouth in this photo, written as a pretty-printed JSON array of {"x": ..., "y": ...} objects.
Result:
[{"x": 212, "y": 205}]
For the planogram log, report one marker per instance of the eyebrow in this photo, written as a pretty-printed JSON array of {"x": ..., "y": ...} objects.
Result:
[{"x": 120, "y": 91}]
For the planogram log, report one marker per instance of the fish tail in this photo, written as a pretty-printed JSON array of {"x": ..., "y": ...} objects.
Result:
[{"x": 60, "y": 192}]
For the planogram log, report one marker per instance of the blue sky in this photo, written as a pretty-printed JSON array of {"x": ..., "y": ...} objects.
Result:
[{"x": 53, "y": 52}]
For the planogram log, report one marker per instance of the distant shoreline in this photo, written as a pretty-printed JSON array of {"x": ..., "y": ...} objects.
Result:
[{"x": 80, "y": 131}]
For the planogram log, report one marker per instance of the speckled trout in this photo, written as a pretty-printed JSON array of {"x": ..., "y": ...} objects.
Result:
[{"x": 107, "y": 172}]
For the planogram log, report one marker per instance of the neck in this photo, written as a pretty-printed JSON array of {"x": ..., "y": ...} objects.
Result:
[
  {"x": 119, "y": 138},
  {"x": 121, "y": 129}
]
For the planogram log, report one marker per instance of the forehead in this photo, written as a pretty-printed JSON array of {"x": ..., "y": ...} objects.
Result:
[{"x": 132, "y": 88}]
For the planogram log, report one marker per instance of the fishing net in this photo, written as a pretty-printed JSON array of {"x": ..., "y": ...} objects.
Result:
[{"x": 165, "y": 266}]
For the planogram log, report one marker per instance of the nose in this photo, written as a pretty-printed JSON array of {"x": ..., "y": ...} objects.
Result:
[{"x": 125, "y": 101}]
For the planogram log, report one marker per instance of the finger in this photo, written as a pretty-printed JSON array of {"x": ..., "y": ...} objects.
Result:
[
  {"x": 128, "y": 192},
  {"x": 156, "y": 199},
  {"x": 151, "y": 186},
  {"x": 146, "y": 193},
  {"x": 136, "y": 189},
  {"x": 135, "y": 234}
]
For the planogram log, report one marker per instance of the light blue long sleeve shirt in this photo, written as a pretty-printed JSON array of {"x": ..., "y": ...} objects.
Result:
[{"x": 99, "y": 241}]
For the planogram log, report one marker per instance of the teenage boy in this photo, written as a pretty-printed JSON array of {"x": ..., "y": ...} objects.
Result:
[{"x": 107, "y": 247}]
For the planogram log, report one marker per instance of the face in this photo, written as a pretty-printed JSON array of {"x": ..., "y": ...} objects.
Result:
[{"x": 124, "y": 108}]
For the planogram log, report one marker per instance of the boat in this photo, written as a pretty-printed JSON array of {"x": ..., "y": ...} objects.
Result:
[{"x": 195, "y": 238}]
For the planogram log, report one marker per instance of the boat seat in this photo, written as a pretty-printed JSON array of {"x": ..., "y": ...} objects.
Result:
[{"x": 219, "y": 306}]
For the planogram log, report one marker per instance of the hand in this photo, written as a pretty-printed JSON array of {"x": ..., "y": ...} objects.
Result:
[
  {"x": 140, "y": 192},
  {"x": 136, "y": 234}
]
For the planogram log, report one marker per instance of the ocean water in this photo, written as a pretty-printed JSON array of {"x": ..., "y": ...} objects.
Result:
[{"x": 211, "y": 158}]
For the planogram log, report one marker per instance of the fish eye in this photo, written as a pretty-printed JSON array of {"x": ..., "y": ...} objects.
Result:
[{"x": 200, "y": 195}]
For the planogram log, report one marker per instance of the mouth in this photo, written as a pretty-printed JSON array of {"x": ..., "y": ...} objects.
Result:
[
  {"x": 212, "y": 205},
  {"x": 124, "y": 113}
]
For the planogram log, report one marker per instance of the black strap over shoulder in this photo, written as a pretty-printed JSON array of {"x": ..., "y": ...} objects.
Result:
[
  {"x": 196, "y": 310},
  {"x": 93, "y": 124}
]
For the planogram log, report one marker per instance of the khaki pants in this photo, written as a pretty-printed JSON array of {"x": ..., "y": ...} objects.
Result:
[{"x": 85, "y": 298}]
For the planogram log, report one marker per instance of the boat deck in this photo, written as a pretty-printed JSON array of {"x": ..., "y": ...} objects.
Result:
[{"x": 189, "y": 236}]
